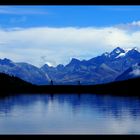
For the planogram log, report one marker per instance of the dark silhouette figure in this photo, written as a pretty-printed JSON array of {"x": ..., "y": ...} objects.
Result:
[
  {"x": 51, "y": 82},
  {"x": 79, "y": 83}
]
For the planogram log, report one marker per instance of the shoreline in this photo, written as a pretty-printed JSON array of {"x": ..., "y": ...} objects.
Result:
[{"x": 121, "y": 88}]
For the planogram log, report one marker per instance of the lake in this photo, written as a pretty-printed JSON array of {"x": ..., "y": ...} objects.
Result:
[{"x": 69, "y": 114}]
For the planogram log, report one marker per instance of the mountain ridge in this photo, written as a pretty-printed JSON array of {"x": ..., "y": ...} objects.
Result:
[
  {"x": 117, "y": 61},
  {"x": 24, "y": 71},
  {"x": 97, "y": 70}
]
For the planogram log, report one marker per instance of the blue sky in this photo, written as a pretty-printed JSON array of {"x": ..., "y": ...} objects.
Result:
[
  {"x": 63, "y": 16},
  {"x": 56, "y": 34}
]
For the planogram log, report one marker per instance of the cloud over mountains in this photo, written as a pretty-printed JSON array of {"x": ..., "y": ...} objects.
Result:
[{"x": 61, "y": 44}]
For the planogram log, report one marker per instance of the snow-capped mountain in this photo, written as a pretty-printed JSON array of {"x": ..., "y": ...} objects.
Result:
[
  {"x": 116, "y": 52},
  {"x": 100, "y": 69},
  {"x": 24, "y": 71},
  {"x": 132, "y": 72},
  {"x": 124, "y": 60}
]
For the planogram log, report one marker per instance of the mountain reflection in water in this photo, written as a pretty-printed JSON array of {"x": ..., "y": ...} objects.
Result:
[{"x": 69, "y": 113}]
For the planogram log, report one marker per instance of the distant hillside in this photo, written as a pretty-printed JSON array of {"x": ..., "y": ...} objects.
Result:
[{"x": 12, "y": 84}]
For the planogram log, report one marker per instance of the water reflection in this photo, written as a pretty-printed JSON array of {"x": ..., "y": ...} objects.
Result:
[
  {"x": 114, "y": 105},
  {"x": 75, "y": 113}
]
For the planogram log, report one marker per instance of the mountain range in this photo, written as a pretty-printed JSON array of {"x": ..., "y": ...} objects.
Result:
[
  {"x": 119, "y": 64},
  {"x": 101, "y": 69},
  {"x": 25, "y": 71}
]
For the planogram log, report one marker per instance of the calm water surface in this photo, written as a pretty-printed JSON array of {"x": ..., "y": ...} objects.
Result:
[{"x": 69, "y": 114}]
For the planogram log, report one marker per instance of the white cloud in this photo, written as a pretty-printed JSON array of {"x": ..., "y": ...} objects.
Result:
[
  {"x": 59, "y": 45},
  {"x": 132, "y": 26},
  {"x": 135, "y": 23},
  {"x": 136, "y": 72},
  {"x": 19, "y": 10}
]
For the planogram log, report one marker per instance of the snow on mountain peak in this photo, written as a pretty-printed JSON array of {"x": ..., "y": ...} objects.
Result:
[
  {"x": 129, "y": 49},
  {"x": 120, "y": 55},
  {"x": 120, "y": 52},
  {"x": 126, "y": 50},
  {"x": 116, "y": 52}
]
